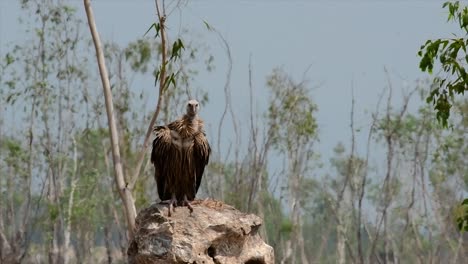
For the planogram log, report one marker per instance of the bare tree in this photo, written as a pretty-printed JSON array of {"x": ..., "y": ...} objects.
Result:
[
  {"x": 124, "y": 191},
  {"x": 390, "y": 128}
]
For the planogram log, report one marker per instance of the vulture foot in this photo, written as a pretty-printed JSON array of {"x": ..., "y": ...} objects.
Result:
[
  {"x": 187, "y": 203},
  {"x": 172, "y": 205}
]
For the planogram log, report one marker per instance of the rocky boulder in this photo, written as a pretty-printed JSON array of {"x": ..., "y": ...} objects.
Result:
[{"x": 214, "y": 233}]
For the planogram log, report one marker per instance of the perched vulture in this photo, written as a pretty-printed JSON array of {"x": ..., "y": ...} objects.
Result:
[{"x": 180, "y": 154}]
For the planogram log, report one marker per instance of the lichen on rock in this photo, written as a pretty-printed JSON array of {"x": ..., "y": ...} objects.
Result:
[{"x": 214, "y": 233}]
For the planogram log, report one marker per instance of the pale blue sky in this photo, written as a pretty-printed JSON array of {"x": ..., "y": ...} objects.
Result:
[{"x": 343, "y": 41}]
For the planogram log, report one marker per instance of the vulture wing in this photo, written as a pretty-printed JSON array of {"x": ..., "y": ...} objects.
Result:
[
  {"x": 201, "y": 156},
  {"x": 159, "y": 156}
]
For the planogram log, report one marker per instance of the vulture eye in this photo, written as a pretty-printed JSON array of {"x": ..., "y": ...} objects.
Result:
[{"x": 196, "y": 105}]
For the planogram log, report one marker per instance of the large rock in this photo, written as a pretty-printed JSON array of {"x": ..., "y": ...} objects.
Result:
[{"x": 214, "y": 233}]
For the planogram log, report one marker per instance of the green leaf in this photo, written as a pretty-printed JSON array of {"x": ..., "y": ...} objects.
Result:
[
  {"x": 9, "y": 98},
  {"x": 152, "y": 25},
  {"x": 173, "y": 81},
  {"x": 156, "y": 27},
  {"x": 465, "y": 20},
  {"x": 465, "y": 202},
  {"x": 53, "y": 212},
  {"x": 156, "y": 76},
  {"x": 462, "y": 216},
  {"x": 176, "y": 49},
  {"x": 460, "y": 223},
  {"x": 9, "y": 59},
  {"x": 207, "y": 25}
]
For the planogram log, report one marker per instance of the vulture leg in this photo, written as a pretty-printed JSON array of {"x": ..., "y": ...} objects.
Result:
[
  {"x": 187, "y": 203},
  {"x": 172, "y": 205}
]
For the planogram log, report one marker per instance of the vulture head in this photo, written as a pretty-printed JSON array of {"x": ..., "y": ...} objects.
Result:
[{"x": 192, "y": 108}]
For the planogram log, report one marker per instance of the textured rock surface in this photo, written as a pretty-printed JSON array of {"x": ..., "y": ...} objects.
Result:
[{"x": 213, "y": 233}]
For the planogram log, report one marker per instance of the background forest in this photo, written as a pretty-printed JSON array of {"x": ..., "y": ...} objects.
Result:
[{"x": 389, "y": 192}]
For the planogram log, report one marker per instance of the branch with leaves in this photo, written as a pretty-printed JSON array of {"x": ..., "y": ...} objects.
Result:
[
  {"x": 164, "y": 79},
  {"x": 453, "y": 57}
]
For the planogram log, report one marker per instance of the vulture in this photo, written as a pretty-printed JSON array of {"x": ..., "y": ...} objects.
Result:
[{"x": 179, "y": 155}]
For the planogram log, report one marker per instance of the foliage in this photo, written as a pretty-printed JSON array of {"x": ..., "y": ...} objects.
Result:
[
  {"x": 462, "y": 216},
  {"x": 453, "y": 57},
  {"x": 292, "y": 132},
  {"x": 55, "y": 161},
  {"x": 290, "y": 112}
]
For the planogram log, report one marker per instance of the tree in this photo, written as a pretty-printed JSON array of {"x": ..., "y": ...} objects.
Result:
[
  {"x": 49, "y": 92},
  {"x": 163, "y": 76},
  {"x": 293, "y": 131},
  {"x": 453, "y": 57},
  {"x": 124, "y": 191}
]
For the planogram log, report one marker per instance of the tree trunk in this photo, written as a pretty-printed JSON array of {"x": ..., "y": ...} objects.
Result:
[
  {"x": 67, "y": 229},
  {"x": 108, "y": 238},
  {"x": 301, "y": 244},
  {"x": 341, "y": 242},
  {"x": 125, "y": 193},
  {"x": 53, "y": 244},
  {"x": 287, "y": 252}
]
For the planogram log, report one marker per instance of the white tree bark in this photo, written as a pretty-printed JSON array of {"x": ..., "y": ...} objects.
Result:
[
  {"x": 67, "y": 229},
  {"x": 341, "y": 237},
  {"x": 124, "y": 192}
]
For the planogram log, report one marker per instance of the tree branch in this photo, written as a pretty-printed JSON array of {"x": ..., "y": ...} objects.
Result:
[{"x": 162, "y": 84}]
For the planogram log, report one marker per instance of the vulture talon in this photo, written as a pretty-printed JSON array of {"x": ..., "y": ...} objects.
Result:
[
  {"x": 190, "y": 208},
  {"x": 172, "y": 204},
  {"x": 169, "y": 214},
  {"x": 187, "y": 203}
]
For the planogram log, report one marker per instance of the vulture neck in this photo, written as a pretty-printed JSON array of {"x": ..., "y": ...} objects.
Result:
[{"x": 192, "y": 121}]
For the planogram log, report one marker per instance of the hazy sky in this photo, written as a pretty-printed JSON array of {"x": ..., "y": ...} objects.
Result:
[{"x": 341, "y": 41}]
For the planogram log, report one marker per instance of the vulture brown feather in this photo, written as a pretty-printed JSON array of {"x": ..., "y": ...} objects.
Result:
[{"x": 180, "y": 153}]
